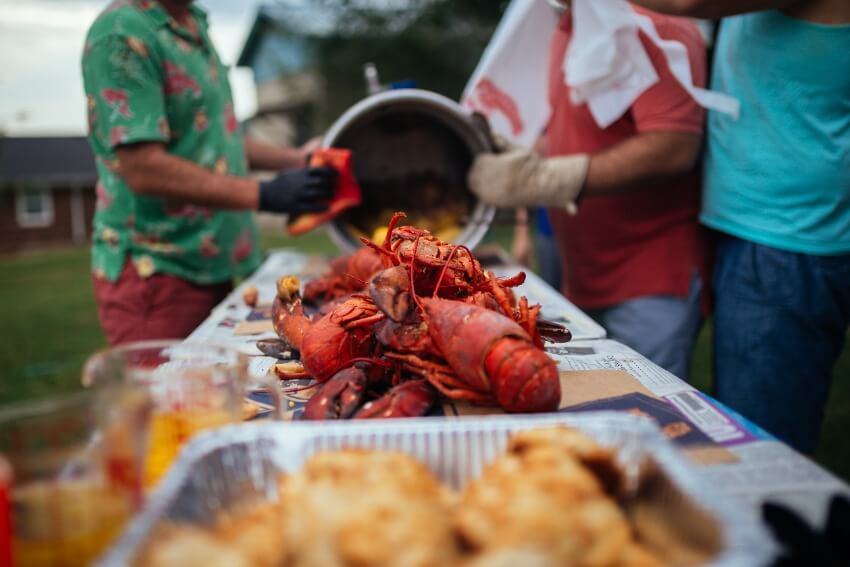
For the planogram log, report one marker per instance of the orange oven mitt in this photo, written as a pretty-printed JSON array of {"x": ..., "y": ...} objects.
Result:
[{"x": 346, "y": 193}]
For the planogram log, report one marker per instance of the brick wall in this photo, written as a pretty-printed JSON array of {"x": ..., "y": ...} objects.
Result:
[{"x": 15, "y": 238}]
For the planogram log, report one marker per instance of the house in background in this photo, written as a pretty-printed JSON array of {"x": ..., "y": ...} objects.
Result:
[
  {"x": 47, "y": 192},
  {"x": 281, "y": 52}
]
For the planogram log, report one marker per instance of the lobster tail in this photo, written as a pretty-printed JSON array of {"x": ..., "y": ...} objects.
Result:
[
  {"x": 464, "y": 333},
  {"x": 522, "y": 377}
]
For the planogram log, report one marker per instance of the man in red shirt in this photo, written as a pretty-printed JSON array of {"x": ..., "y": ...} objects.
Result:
[{"x": 632, "y": 254}]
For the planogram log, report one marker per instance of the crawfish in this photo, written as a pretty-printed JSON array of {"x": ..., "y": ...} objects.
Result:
[
  {"x": 345, "y": 275},
  {"x": 488, "y": 358},
  {"x": 331, "y": 341}
]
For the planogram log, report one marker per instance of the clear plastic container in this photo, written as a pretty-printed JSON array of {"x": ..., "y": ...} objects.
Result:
[{"x": 193, "y": 387}]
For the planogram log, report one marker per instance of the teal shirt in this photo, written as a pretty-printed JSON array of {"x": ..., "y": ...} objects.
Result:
[{"x": 780, "y": 174}]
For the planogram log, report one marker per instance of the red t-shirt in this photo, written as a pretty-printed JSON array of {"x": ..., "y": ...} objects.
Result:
[{"x": 644, "y": 241}]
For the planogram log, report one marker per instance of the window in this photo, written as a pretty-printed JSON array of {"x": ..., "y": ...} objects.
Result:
[{"x": 34, "y": 209}]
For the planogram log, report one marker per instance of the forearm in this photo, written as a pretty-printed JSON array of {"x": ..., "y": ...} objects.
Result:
[
  {"x": 149, "y": 170},
  {"x": 639, "y": 160},
  {"x": 270, "y": 157},
  {"x": 712, "y": 9}
]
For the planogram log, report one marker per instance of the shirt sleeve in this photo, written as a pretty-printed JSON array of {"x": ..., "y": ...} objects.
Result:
[
  {"x": 124, "y": 90},
  {"x": 667, "y": 106}
]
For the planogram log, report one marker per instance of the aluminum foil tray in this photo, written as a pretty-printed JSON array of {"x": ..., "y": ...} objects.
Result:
[{"x": 236, "y": 466}]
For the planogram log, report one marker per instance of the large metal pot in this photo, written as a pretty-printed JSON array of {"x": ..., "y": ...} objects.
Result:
[{"x": 412, "y": 150}]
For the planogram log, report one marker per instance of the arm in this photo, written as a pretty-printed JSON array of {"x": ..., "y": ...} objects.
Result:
[
  {"x": 640, "y": 159},
  {"x": 519, "y": 177},
  {"x": 270, "y": 157},
  {"x": 150, "y": 170},
  {"x": 712, "y": 8}
]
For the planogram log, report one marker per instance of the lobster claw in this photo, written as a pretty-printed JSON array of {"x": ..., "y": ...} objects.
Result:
[
  {"x": 552, "y": 332},
  {"x": 339, "y": 397},
  {"x": 288, "y": 318},
  {"x": 408, "y": 399},
  {"x": 390, "y": 290}
]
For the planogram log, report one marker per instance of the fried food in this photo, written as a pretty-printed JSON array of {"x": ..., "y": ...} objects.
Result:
[
  {"x": 543, "y": 499},
  {"x": 551, "y": 500},
  {"x": 189, "y": 545},
  {"x": 255, "y": 538},
  {"x": 367, "y": 508}
]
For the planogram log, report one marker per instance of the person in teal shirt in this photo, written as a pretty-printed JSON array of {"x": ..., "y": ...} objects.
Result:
[{"x": 777, "y": 190}]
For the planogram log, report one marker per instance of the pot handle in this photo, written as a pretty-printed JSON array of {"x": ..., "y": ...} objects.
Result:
[{"x": 482, "y": 125}]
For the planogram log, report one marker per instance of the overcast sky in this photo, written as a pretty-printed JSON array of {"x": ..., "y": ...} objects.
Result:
[{"x": 40, "y": 43}]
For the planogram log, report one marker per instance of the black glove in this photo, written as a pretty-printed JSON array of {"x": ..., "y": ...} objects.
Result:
[
  {"x": 306, "y": 190},
  {"x": 804, "y": 545}
]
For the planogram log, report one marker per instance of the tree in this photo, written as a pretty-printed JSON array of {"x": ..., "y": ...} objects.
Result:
[{"x": 435, "y": 43}]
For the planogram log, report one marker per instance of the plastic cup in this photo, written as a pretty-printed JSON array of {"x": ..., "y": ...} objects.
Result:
[
  {"x": 70, "y": 489},
  {"x": 193, "y": 387}
]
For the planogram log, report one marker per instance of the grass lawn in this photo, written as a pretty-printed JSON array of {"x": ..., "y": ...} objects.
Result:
[{"x": 51, "y": 327}]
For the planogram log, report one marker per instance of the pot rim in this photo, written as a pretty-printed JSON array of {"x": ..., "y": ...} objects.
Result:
[{"x": 453, "y": 115}]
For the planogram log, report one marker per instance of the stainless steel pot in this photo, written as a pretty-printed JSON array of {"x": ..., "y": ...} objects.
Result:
[{"x": 412, "y": 150}]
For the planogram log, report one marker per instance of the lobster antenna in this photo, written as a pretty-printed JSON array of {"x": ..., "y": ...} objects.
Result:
[
  {"x": 443, "y": 271},
  {"x": 358, "y": 280},
  {"x": 295, "y": 390},
  {"x": 412, "y": 263},
  {"x": 391, "y": 227}
]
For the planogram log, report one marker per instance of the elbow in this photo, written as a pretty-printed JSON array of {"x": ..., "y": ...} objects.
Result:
[
  {"x": 136, "y": 180},
  {"x": 136, "y": 166}
]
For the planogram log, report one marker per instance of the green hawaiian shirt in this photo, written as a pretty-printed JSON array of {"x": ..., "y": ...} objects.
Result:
[{"x": 147, "y": 79}]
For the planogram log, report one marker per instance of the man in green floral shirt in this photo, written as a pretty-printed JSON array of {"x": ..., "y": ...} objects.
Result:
[{"x": 174, "y": 222}]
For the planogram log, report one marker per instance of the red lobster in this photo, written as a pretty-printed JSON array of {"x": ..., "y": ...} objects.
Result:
[
  {"x": 345, "y": 275},
  {"x": 438, "y": 269},
  {"x": 331, "y": 342},
  {"x": 330, "y": 345},
  {"x": 488, "y": 357},
  {"x": 450, "y": 270}
]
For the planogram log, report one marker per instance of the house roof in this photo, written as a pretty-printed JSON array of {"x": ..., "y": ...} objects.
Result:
[
  {"x": 304, "y": 18},
  {"x": 296, "y": 19},
  {"x": 58, "y": 161}
]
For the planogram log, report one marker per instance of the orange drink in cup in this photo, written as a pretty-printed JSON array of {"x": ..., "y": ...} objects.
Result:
[
  {"x": 66, "y": 504},
  {"x": 193, "y": 387}
]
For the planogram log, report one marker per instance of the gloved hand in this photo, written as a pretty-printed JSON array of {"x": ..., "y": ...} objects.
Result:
[
  {"x": 805, "y": 545},
  {"x": 298, "y": 191},
  {"x": 519, "y": 177}
]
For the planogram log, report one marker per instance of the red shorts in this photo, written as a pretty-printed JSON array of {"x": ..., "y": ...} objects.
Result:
[{"x": 159, "y": 307}]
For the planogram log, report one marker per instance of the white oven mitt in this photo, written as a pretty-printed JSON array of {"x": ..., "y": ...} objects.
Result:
[{"x": 520, "y": 177}]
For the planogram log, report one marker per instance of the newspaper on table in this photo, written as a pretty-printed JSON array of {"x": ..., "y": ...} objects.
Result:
[{"x": 220, "y": 327}]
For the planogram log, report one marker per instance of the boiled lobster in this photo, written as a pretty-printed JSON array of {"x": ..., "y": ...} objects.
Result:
[
  {"x": 345, "y": 275},
  {"x": 433, "y": 319},
  {"x": 488, "y": 358},
  {"x": 436, "y": 267},
  {"x": 420, "y": 263},
  {"x": 328, "y": 343}
]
